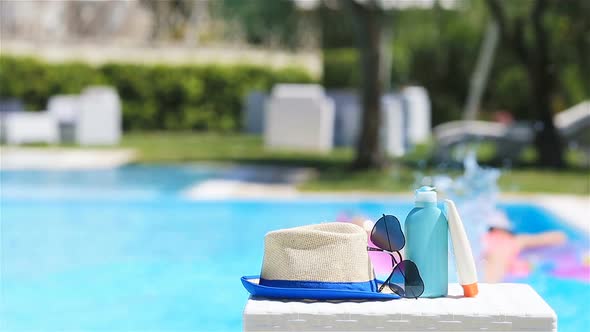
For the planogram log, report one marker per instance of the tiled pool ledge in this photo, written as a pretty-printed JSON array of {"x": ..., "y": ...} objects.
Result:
[
  {"x": 498, "y": 307},
  {"x": 573, "y": 210},
  {"x": 229, "y": 189}
]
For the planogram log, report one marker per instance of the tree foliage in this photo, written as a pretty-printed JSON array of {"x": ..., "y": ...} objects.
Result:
[
  {"x": 268, "y": 23},
  {"x": 528, "y": 34},
  {"x": 170, "y": 18},
  {"x": 438, "y": 48}
]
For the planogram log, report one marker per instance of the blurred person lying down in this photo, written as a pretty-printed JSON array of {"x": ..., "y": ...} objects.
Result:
[{"x": 502, "y": 247}]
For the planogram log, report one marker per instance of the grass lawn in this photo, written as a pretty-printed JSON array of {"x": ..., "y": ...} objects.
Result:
[{"x": 334, "y": 173}]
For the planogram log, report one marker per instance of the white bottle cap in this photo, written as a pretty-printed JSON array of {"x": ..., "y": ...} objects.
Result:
[
  {"x": 425, "y": 194},
  {"x": 462, "y": 248}
]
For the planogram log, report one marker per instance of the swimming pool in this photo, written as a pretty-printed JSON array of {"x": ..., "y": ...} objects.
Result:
[{"x": 135, "y": 255}]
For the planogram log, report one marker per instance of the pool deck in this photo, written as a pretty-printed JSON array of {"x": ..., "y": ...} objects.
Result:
[
  {"x": 29, "y": 158},
  {"x": 575, "y": 210}
]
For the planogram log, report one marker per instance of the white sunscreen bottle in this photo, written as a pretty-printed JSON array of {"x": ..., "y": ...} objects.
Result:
[{"x": 463, "y": 255}]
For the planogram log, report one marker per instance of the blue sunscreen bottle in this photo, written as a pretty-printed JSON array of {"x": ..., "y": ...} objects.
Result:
[{"x": 426, "y": 229}]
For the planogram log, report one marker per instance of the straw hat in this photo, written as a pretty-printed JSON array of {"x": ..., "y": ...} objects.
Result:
[{"x": 324, "y": 261}]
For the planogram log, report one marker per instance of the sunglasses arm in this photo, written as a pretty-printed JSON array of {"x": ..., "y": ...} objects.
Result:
[
  {"x": 385, "y": 282},
  {"x": 374, "y": 249}
]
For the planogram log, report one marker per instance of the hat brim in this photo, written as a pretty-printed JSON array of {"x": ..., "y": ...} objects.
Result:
[{"x": 255, "y": 289}]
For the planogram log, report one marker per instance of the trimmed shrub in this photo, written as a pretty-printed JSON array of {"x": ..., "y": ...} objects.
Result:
[{"x": 154, "y": 97}]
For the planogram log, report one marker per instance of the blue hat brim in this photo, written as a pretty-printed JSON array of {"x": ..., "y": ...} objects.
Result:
[{"x": 310, "y": 293}]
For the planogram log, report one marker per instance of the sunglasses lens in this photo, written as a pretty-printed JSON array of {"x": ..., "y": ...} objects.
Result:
[
  {"x": 406, "y": 280},
  {"x": 387, "y": 234},
  {"x": 382, "y": 264}
]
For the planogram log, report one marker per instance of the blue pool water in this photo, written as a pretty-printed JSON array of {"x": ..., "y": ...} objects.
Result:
[{"x": 123, "y": 250}]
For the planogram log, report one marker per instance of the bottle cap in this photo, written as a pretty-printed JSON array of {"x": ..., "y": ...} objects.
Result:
[
  {"x": 425, "y": 194},
  {"x": 470, "y": 290}
]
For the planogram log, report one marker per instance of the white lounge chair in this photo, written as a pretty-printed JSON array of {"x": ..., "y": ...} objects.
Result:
[
  {"x": 574, "y": 125},
  {"x": 393, "y": 126},
  {"x": 414, "y": 117},
  {"x": 347, "y": 117},
  {"x": 417, "y": 106},
  {"x": 8, "y": 106},
  {"x": 510, "y": 139},
  {"x": 253, "y": 112},
  {"x": 31, "y": 127},
  {"x": 300, "y": 117},
  {"x": 99, "y": 119},
  {"x": 65, "y": 108}
]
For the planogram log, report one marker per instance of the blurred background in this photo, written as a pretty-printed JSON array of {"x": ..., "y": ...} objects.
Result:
[
  {"x": 135, "y": 133},
  {"x": 208, "y": 66}
]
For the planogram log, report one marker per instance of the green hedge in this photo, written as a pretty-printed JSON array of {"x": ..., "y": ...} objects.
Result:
[
  {"x": 155, "y": 97},
  {"x": 341, "y": 68}
]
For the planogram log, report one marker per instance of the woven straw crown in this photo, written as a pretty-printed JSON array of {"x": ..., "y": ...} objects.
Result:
[{"x": 330, "y": 252}]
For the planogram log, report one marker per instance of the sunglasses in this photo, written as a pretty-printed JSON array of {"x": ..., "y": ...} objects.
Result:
[{"x": 405, "y": 279}]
